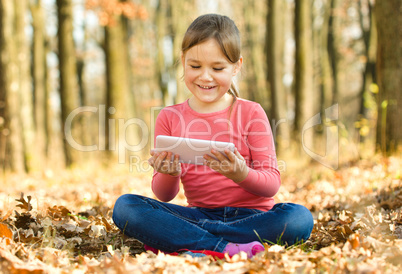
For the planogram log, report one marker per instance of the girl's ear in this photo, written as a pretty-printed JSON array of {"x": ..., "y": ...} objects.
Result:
[{"x": 238, "y": 65}]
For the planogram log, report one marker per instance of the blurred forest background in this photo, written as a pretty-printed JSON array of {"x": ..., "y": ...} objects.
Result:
[{"x": 83, "y": 80}]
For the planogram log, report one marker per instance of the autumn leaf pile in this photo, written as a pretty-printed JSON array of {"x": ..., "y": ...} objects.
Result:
[{"x": 60, "y": 222}]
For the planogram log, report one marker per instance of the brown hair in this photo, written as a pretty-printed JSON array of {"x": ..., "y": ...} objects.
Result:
[{"x": 218, "y": 27}]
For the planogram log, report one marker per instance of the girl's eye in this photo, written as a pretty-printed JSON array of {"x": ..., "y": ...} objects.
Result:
[
  {"x": 195, "y": 67},
  {"x": 218, "y": 69}
]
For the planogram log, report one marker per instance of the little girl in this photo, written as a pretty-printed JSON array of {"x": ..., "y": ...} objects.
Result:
[{"x": 230, "y": 198}]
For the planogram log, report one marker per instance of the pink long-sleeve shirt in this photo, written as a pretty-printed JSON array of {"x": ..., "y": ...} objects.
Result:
[{"x": 249, "y": 129}]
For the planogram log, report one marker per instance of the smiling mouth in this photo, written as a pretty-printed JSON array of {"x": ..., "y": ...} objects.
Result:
[{"x": 206, "y": 87}]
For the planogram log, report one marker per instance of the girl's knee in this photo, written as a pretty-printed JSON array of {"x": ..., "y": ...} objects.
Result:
[
  {"x": 298, "y": 223},
  {"x": 121, "y": 203},
  {"x": 304, "y": 215},
  {"x": 123, "y": 207},
  {"x": 127, "y": 199}
]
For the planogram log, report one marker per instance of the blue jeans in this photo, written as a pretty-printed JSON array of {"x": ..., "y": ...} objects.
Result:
[{"x": 169, "y": 227}]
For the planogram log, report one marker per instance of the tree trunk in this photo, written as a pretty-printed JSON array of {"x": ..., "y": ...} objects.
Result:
[
  {"x": 307, "y": 103},
  {"x": 68, "y": 78},
  {"x": 24, "y": 77},
  {"x": 323, "y": 82},
  {"x": 369, "y": 40},
  {"x": 3, "y": 86},
  {"x": 256, "y": 83},
  {"x": 275, "y": 45},
  {"x": 162, "y": 21},
  {"x": 39, "y": 68},
  {"x": 332, "y": 50},
  {"x": 367, "y": 105},
  {"x": 326, "y": 81},
  {"x": 178, "y": 29},
  {"x": 119, "y": 106},
  {"x": 389, "y": 75},
  {"x": 11, "y": 140}
]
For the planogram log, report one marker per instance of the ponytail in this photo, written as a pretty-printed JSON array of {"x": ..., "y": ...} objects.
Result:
[{"x": 233, "y": 90}]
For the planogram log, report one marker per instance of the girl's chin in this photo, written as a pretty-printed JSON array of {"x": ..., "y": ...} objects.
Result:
[
  {"x": 206, "y": 100},
  {"x": 208, "y": 96}
]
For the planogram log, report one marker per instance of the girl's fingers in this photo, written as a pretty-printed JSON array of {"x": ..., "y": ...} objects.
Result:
[
  {"x": 229, "y": 164},
  {"x": 227, "y": 155},
  {"x": 230, "y": 155},
  {"x": 158, "y": 160},
  {"x": 165, "y": 166},
  {"x": 172, "y": 166},
  {"x": 176, "y": 160},
  {"x": 151, "y": 160},
  {"x": 211, "y": 162},
  {"x": 237, "y": 153},
  {"x": 220, "y": 163},
  {"x": 164, "y": 163},
  {"x": 218, "y": 155},
  {"x": 176, "y": 167}
]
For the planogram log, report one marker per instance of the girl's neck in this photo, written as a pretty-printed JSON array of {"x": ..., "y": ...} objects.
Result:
[{"x": 200, "y": 107}]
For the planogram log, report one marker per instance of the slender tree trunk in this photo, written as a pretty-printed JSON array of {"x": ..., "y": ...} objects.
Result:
[
  {"x": 389, "y": 75},
  {"x": 87, "y": 123},
  {"x": 369, "y": 40},
  {"x": 39, "y": 68},
  {"x": 322, "y": 70},
  {"x": 307, "y": 99},
  {"x": 11, "y": 140},
  {"x": 367, "y": 108},
  {"x": 3, "y": 87},
  {"x": 132, "y": 90},
  {"x": 24, "y": 77},
  {"x": 119, "y": 106},
  {"x": 68, "y": 78},
  {"x": 178, "y": 29},
  {"x": 162, "y": 19},
  {"x": 256, "y": 79},
  {"x": 332, "y": 50},
  {"x": 326, "y": 82},
  {"x": 275, "y": 45}
]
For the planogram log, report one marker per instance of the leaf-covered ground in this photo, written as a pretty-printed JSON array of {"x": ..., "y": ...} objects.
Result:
[{"x": 62, "y": 224}]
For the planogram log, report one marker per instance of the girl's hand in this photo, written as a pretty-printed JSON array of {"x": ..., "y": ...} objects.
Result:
[
  {"x": 161, "y": 162},
  {"x": 232, "y": 166}
]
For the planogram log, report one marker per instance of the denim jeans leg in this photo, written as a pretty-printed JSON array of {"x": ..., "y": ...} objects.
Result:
[
  {"x": 164, "y": 226},
  {"x": 285, "y": 223},
  {"x": 293, "y": 224}
]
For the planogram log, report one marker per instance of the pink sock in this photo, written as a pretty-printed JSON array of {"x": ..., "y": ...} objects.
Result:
[{"x": 250, "y": 248}]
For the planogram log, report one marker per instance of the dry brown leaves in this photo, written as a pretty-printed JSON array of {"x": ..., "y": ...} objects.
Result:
[{"x": 63, "y": 224}]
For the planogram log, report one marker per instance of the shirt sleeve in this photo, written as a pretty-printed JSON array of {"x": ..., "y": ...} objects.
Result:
[
  {"x": 263, "y": 178},
  {"x": 164, "y": 186}
]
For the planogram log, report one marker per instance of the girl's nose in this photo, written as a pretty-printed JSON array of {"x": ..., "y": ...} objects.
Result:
[{"x": 205, "y": 75}]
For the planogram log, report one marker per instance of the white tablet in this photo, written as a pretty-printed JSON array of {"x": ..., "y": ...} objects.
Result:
[{"x": 191, "y": 151}]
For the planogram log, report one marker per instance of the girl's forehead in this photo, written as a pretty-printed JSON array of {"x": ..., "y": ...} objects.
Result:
[{"x": 208, "y": 50}]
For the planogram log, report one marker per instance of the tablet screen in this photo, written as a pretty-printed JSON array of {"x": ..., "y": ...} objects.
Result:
[{"x": 191, "y": 151}]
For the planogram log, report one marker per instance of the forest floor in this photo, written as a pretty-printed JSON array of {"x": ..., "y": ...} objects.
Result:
[{"x": 60, "y": 222}]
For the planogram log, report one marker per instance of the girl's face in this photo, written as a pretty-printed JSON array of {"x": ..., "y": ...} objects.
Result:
[{"x": 208, "y": 75}]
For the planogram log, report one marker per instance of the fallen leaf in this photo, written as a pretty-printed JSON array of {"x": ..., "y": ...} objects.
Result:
[
  {"x": 6, "y": 232},
  {"x": 59, "y": 212},
  {"x": 25, "y": 204},
  {"x": 106, "y": 223}
]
